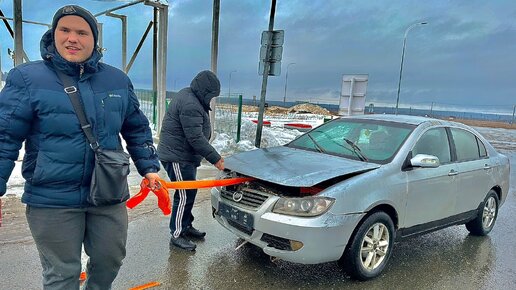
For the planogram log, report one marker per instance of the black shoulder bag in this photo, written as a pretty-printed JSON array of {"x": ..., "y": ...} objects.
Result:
[{"x": 109, "y": 180}]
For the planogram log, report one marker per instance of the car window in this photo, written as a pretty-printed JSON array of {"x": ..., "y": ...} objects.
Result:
[
  {"x": 482, "y": 148},
  {"x": 376, "y": 141},
  {"x": 466, "y": 145},
  {"x": 434, "y": 142}
]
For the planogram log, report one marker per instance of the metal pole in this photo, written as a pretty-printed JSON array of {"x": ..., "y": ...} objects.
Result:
[
  {"x": 118, "y": 8},
  {"x": 123, "y": 18},
  {"x": 155, "y": 66},
  {"x": 11, "y": 32},
  {"x": 215, "y": 35},
  {"x": 138, "y": 47},
  {"x": 286, "y": 81},
  {"x": 162, "y": 64},
  {"x": 431, "y": 109},
  {"x": 18, "y": 32},
  {"x": 229, "y": 89},
  {"x": 266, "y": 68},
  {"x": 28, "y": 21},
  {"x": 214, "y": 56},
  {"x": 239, "y": 118},
  {"x": 100, "y": 42},
  {"x": 402, "y": 58},
  {"x": 513, "y": 112}
]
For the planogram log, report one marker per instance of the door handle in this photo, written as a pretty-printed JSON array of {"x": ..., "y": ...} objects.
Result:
[
  {"x": 486, "y": 167},
  {"x": 453, "y": 173}
]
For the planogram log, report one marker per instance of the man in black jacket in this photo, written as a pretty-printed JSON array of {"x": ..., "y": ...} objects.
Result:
[{"x": 184, "y": 142}]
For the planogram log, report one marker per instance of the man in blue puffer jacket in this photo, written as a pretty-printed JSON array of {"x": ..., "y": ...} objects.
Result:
[{"x": 58, "y": 160}]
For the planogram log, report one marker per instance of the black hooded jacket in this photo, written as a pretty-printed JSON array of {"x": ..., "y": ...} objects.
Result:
[{"x": 186, "y": 127}]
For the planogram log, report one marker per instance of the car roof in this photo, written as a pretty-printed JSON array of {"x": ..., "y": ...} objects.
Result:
[{"x": 413, "y": 120}]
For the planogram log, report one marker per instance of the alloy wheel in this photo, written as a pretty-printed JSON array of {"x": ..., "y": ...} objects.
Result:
[
  {"x": 489, "y": 214},
  {"x": 375, "y": 245}
]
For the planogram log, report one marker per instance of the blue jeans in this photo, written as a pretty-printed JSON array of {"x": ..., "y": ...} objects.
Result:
[
  {"x": 184, "y": 199},
  {"x": 59, "y": 234}
]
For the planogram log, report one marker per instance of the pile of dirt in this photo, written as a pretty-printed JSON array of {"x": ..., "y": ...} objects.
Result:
[
  {"x": 274, "y": 110},
  {"x": 247, "y": 108},
  {"x": 297, "y": 109},
  {"x": 308, "y": 108}
]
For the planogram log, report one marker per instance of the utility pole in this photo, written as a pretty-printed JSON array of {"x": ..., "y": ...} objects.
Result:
[
  {"x": 513, "y": 112},
  {"x": 265, "y": 76}
]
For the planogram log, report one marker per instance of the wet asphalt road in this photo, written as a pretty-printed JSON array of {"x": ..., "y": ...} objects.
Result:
[{"x": 447, "y": 259}]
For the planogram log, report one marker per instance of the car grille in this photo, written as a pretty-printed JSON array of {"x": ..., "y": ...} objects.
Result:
[
  {"x": 250, "y": 197},
  {"x": 276, "y": 242}
]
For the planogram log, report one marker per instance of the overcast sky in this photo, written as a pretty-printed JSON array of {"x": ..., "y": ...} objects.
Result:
[{"x": 464, "y": 56}]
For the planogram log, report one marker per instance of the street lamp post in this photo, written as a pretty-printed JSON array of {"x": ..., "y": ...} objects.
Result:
[
  {"x": 402, "y": 57},
  {"x": 286, "y": 81},
  {"x": 229, "y": 89}
]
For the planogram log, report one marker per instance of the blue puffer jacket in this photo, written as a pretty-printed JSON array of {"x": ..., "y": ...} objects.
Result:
[{"x": 58, "y": 160}]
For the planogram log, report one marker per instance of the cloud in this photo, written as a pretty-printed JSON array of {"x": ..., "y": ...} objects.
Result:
[{"x": 467, "y": 48}]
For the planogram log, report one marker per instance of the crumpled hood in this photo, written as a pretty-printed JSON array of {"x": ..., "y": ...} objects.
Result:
[
  {"x": 293, "y": 167},
  {"x": 205, "y": 86}
]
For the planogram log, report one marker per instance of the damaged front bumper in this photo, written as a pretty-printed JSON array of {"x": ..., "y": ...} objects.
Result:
[{"x": 306, "y": 240}]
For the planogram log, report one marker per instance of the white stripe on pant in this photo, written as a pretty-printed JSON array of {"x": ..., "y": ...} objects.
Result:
[{"x": 182, "y": 201}]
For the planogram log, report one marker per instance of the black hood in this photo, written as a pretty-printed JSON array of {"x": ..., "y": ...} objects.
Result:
[{"x": 205, "y": 86}]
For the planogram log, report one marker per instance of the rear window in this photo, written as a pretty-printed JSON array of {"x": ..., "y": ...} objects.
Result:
[{"x": 466, "y": 145}]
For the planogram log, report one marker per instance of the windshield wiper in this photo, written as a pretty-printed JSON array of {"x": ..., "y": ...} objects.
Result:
[
  {"x": 317, "y": 146},
  {"x": 356, "y": 150}
]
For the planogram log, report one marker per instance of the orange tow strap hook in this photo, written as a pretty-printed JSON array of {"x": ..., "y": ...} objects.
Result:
[{"x": 162, "y": 191}]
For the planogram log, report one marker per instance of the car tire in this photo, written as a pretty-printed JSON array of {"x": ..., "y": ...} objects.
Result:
[
  {"x": 370, "y": 248},
  {"x": 486, "y": 216}
]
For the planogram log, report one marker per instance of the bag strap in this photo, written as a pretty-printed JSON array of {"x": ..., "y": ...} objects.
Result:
[{"x": 73, "y": 93}]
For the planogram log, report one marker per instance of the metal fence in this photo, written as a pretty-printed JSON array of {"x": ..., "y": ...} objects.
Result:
[{"x": 226, "y": 110}]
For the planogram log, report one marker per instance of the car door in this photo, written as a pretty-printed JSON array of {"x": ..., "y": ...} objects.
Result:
[
  {"x": 474, "y": 170},
  {"x": 431, "y": 191}
]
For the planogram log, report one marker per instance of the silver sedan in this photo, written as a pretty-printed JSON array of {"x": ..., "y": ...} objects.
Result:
[{"x": 348, "y": 189}]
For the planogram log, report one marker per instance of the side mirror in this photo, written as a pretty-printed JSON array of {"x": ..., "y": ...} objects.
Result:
[{"x": 425, "y": 161}]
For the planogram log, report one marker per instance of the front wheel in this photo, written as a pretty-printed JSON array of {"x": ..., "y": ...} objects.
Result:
[
  {"x": 370, "y": 248},
  {"x": 486, "y": 217}
]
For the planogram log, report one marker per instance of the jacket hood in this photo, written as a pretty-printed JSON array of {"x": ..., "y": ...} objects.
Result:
[
  {"x": 49, "y": 53},
  {"x": 205, "y": 86},
  {"x": 294, "y": 167}
]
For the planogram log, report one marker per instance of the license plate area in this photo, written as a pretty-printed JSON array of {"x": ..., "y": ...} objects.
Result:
[{"x": 243, "y": 219}]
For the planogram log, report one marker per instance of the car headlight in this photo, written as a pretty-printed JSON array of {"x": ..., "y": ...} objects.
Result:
[{"x": 306, "y": 206}]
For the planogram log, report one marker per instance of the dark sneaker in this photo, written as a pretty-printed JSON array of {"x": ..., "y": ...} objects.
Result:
[
  {"x": 194, "y": 233},
  {"x": 183, "y": 243}
]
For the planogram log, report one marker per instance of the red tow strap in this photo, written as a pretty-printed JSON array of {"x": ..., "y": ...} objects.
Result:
[{"x": 162, "y": 191}]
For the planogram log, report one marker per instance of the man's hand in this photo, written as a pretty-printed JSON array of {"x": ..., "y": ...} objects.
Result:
[
  {"x": 220, "y": 164},
  {"x": 152, "y": 177}
]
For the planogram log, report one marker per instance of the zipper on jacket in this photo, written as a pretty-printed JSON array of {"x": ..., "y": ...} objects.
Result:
[{"x": 81, "y": 70}]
